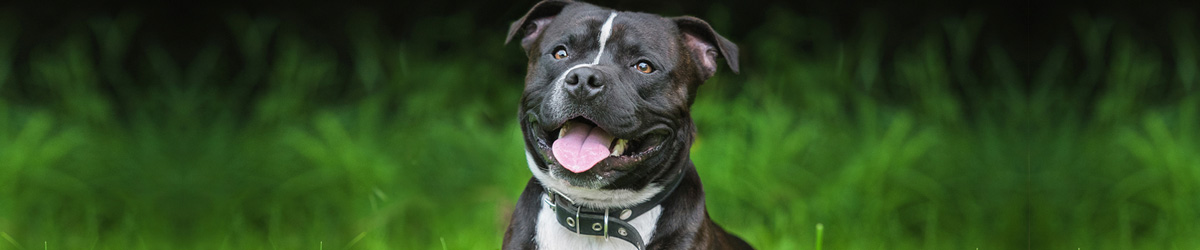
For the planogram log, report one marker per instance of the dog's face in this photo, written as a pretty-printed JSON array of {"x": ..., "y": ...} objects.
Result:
[{"x": 607, "y": 94}]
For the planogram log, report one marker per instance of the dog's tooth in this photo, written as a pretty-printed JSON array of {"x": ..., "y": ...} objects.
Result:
[
  {"x": 563, "y": 131},
  {"x": 620, "y": 147}
]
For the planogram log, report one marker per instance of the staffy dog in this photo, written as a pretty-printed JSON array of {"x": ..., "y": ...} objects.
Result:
[{"x": 607, "y": 129}]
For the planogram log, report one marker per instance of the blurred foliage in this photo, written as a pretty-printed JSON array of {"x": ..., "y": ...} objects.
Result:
[{"x": 936, "y": 139}]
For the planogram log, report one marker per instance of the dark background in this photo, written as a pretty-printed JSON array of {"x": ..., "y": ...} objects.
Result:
[{"x": 1028, "y": 29}]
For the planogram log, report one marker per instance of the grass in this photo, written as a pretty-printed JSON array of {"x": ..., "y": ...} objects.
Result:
[
  {"x": 274, "y": 140},
  {"x": 820, "y": 230}
]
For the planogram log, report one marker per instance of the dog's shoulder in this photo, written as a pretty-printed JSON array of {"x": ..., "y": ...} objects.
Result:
[
  {"x": 685, "y": 223},
  {"x": 522, "y": 229},
  {"x": 720, "y": 239}
]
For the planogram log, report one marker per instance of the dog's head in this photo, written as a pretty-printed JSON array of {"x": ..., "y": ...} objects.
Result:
[{"x": 605, "y": 111}]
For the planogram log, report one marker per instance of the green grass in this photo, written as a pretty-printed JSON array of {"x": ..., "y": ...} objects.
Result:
[{"x": 942, "y": 141}]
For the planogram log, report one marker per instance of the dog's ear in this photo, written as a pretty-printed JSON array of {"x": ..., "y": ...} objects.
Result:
[
  {"x": 534, "y": 22},
  {"x": 706, "y": 45}
]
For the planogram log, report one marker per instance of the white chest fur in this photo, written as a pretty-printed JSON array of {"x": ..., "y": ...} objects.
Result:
[{"x": 552, "y": 236}]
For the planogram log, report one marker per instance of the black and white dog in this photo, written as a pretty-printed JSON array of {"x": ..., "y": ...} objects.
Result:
[{"x": 607, "y": 129}]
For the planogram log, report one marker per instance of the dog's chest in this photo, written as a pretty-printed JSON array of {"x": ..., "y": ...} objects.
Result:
[{"x": 552, "y": 236}]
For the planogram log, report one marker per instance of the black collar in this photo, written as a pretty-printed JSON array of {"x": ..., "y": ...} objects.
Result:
[{"x": 605, "y": 221}]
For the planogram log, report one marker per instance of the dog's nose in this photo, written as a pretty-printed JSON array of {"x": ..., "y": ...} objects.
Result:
[{"x": 584, "y": 83}]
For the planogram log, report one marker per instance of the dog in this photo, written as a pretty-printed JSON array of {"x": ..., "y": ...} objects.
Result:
[{"x": 607, "y": 130}]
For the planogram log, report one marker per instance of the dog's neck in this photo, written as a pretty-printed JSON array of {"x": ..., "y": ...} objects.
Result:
[
  {"x": 550, "y": 234},
  {"x": 586, "y": 219},
  {"x": 606, "y": 222}
]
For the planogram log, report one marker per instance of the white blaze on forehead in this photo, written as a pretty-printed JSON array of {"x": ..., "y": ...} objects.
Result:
[{"x": 605, "y": 32}]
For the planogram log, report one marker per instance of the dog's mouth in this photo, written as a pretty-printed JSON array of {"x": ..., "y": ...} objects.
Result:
[{"x": 580, "y": 145}]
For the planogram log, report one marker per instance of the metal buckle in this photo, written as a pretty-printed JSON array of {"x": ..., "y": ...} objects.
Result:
[
  {"x": 606, "y": 224},
  {"x": 563, "y": 196},
  {"x": 577, "y": 222}
]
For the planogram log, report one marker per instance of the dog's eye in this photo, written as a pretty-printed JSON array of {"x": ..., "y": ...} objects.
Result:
[
  {"x": 560, "y": 53},
  {"x": 644, "y": 67}
]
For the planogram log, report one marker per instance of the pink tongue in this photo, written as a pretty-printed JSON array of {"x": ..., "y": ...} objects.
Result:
[{"x": 582, "y": 147}]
